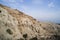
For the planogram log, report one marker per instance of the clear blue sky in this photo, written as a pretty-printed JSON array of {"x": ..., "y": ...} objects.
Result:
[{"x": 46, "y": 10}]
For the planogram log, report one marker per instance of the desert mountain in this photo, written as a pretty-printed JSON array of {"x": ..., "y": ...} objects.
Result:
[{"x": 15, "y": 25}]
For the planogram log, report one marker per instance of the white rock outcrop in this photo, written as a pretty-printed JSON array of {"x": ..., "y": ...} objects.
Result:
[{"x": 15, "y": 25}]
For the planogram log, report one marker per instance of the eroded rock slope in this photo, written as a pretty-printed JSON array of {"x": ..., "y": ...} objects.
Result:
[{"x": 15, "y": 25}]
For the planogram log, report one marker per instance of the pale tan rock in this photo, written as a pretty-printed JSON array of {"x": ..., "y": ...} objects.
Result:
[
  {"x": 26, "y": 27},
  {"x": 8, "y": 26}
]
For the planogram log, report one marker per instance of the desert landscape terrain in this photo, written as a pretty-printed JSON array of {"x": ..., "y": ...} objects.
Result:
[{"x": 16, "y": 25}]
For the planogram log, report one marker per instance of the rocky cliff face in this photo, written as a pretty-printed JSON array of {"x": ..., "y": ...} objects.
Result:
[{"x": 15, "y": 25}]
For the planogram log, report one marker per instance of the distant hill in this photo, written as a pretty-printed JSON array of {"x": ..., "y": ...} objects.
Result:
[{"x": 58, "y": 23}]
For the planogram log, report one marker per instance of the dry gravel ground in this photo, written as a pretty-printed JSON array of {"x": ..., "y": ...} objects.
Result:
[{"x": 15, "y": 25}]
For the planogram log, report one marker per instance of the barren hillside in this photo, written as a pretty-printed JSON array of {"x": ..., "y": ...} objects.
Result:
[{"x": 15, "y": 25}]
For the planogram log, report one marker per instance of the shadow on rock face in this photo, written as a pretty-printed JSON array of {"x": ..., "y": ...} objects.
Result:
[
  {"x": 34, "y": 38},
  {"x": 25, "y": 35},
  {"x": 9, "y": 31},
  {"x": 0, "y": 11},
  {"x": 57, "y": 37},
  {"x": 54, "y": 37}
]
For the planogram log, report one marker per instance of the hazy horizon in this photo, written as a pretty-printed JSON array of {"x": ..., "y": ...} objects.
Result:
[{"x": 46, "y": 10}]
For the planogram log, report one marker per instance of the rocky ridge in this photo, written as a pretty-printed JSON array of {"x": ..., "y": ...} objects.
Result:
[{"x": 15, "y": 25}]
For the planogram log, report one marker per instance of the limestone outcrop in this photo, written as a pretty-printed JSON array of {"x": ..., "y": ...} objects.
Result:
[{"x": 15, "y": 25}]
